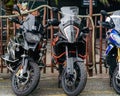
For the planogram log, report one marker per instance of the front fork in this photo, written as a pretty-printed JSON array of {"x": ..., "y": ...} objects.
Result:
[
  {"x": 70, "y": 62},
  {"x": 23, "y": 67}
]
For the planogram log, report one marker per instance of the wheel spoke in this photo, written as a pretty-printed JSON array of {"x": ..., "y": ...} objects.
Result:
[
  {"x": 24, "y": 82},
  {"x": 75, "y": 79},
  {"x": 21, "y": 84}
]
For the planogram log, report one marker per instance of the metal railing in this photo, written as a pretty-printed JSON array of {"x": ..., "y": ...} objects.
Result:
[{"x": 91, "y": 44}]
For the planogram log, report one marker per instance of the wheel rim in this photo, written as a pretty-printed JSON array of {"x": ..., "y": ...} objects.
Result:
[
  {"x": 117, "y": 79},
  {"x": 23, "y": 83},
  {"x": 72, "y": 84}
]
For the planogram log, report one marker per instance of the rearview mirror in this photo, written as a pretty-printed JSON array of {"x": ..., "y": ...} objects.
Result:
[
  {"x": 53, "y": 22},
  {"x": 104, "y": 13},
  {"x": 16, "y": 20},
  {"x": 85, "y": 30},
  {"x": 55, "y": 9}
]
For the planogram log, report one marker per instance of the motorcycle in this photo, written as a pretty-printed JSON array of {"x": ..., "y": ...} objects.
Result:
[
  {"x": 25, "y": 57},
  {"x": 68, "y": 51},
  {"x": 112, "y": 23}
]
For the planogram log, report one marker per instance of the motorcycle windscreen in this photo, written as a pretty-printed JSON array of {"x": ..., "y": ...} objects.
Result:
[
  {"x": 72, "y": 10},
  {"x": 70, "y": 14},
  {"x": 116, "y": 19}
]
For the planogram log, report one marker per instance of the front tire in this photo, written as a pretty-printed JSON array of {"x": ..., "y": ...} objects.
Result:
[
  {"x": 116, "y": 81},
  {"x": 80, "y": 79},
  {"x": 24, "y": 85}
]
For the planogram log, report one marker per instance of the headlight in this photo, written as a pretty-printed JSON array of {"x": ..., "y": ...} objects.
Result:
[{"x": 71, "y": 32}]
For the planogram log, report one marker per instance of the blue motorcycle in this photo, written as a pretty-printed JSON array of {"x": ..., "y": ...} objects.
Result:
[{"x": 112, "y": 53}]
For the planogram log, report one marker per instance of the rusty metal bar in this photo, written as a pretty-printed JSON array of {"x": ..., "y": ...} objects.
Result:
[
  {"x": 89, "y": 60},
  {"x": 51, "y": 16},
  {"x": 90, "y": 71},
  {"x": 44, "y": 15},
  {"x": 1, "y": 49},
  {"x": 8, "y": 36},
  {"x": 14, "y": 29},
  {"x": 95, "y": 21},
  {"x": 100, "y": 65},
  {"x": 1, "y": 46},
  {"x": 44, "y": 22},
  {"x": 90, "y": 8}
]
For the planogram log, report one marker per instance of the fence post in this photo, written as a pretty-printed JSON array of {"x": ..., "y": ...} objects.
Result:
[
  {"x": 101, "y": 40},
  {"x": 89, "y": 45}
]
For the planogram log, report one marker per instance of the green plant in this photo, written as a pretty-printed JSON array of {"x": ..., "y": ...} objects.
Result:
[
  {"x": 56, "y": 2},
  {"x": 106, "y": 2}
]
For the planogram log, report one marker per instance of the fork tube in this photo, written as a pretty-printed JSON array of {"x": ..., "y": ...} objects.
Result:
[
  {"x": 69, "y": 62},
  {"x": 24, "y": 63},
  {"x": 118, "y": 60}
]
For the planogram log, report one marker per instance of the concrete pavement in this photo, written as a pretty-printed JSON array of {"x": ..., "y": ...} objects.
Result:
[{"x": 48, "y": 86}]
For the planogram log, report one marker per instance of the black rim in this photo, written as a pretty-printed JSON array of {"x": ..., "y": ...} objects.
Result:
[
  {"x": 22, "y": 84},
  {"x": 117, "y": 80},
  {"x": 72, "y": 83}
]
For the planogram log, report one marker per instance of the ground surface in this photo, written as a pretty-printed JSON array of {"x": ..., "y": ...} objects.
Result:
[{"x": 98, "y": 85}]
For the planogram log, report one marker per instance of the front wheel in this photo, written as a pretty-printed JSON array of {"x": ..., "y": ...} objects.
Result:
[
  {"x": 23, "y": 85},
  {"x": 116, "y": 81},
  {"x": 74, "y": 84}
]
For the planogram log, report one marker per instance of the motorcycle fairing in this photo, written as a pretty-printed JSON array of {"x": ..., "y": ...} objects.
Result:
[
  {"x": 70, "y": 23},
  {"x": 71, "y": 32},
  {"x": 69, "y": 36},
  {"x": 115, "y": 38},
  {"x": 59, "y": 50},
  {"x": 108, "y": 49}
]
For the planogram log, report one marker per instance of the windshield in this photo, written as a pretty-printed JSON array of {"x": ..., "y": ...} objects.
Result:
[
  {"x": 116, "y": 19},
  {"x": 29, "y": 23},
  {"x": 70, "y": 14},
  {"x": 72, "y": 10}
]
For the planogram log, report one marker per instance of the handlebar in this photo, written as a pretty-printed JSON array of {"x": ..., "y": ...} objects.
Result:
[{"x": 107, "y": 24}]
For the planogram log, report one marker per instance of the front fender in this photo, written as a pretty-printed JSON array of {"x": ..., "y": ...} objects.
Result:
[
  {"x": 108, "y": 49},
  {"x": 25, "y": 62}
]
